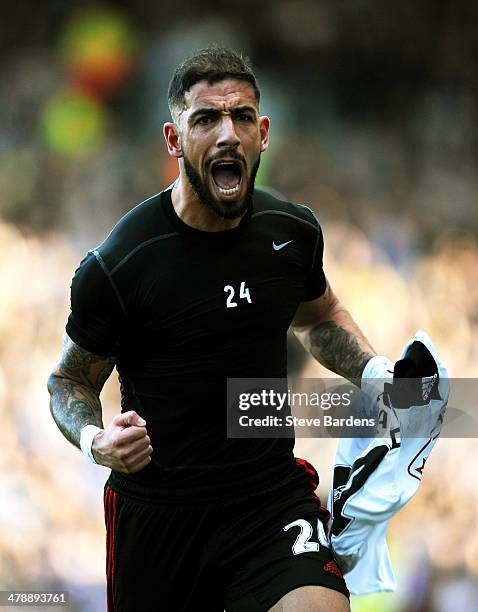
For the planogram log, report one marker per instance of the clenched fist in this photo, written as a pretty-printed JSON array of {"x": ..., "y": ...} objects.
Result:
[{"x": 123, "y": 446}]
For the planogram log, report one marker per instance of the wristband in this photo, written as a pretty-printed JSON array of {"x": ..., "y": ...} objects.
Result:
[{"x": 86, "y": 441}]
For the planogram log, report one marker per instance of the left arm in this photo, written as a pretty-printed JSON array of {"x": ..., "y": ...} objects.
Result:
[{"x": 328, "y": 331}]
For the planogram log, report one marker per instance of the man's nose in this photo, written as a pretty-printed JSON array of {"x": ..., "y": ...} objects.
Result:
[{"x": 227, "y": 136}]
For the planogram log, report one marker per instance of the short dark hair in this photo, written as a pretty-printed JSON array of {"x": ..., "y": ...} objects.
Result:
[{"x": 212, "y": 65}]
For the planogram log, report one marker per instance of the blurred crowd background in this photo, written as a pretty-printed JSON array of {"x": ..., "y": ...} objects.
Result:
[{"x": 374, "y": 125}]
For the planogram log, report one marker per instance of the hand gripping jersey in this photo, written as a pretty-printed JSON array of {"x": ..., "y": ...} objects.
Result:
[{"x": 375, "y": 477}]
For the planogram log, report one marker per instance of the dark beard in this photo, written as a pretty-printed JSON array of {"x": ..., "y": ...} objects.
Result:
[{"x": 229, "y": 210}]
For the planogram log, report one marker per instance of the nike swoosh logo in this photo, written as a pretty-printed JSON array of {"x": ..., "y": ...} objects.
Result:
[{"x": 278, "y": 247}]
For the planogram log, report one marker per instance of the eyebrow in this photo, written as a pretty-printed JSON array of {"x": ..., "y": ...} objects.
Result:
[{"x": 211, "y": 110}]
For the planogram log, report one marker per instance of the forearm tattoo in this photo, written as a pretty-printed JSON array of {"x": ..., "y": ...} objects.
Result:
[
  {"x": 339, "y": 350},
  {"x": 75, "y": 388}
]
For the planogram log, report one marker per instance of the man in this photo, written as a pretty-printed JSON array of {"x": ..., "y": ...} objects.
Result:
[{"x": 197, "y": 284}]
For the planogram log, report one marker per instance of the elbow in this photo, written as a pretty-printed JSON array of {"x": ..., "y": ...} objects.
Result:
[
  {"x": 52, "y": 383},
  {"x": 334, "y": 309}
]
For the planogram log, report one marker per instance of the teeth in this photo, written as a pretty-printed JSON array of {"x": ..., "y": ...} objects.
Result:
[{"x": 229, "y": 191}]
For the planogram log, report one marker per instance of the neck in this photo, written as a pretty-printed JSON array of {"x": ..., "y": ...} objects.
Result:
[{"x": 194, "y": 213}]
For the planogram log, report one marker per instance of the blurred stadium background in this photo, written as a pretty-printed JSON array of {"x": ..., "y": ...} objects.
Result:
[{"x": 374, "y": 124}]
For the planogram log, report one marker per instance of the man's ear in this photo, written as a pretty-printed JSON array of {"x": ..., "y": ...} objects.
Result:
[
  {"x": 173, "y": 140},
  {"x": 264, "y": 123}
]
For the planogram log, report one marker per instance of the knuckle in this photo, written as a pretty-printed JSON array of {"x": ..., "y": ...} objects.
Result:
[
  {"x": 128, "y": 465},
  {"x": 122, "y": 466},
  {"x": 123, "y": 454}
]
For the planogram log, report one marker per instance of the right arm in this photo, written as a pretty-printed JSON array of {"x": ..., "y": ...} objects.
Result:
[{"x": 75, "y": 386}]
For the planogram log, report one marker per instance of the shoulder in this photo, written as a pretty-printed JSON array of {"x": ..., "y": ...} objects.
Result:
[
  {"x": 267, "y": 204},
  {"x": 142, "y": 225}
]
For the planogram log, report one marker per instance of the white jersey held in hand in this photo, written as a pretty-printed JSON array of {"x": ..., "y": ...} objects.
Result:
[{"x": 375, "y": 477}]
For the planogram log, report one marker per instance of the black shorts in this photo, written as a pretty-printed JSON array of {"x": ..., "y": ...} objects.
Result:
[{"x": 238, "y": 555}]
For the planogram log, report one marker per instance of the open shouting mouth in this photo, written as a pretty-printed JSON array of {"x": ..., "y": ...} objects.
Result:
[{"x": 227, "y": 176}]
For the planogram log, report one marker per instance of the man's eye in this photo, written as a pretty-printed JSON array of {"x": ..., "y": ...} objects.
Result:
[
  {"x": 204, "y": 120},
  {"x": 244, "y": 117}
]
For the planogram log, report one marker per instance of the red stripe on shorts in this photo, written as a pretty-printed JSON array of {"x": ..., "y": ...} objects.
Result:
[
  {"x": 312, "y": 475},
  {"x": 110, "y": 521},
  {"x": 115, "y": 499},
  {"x": 313, "y": 478}
]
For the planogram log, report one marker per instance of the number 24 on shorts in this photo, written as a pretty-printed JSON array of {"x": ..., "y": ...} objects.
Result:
[{"x": 303, "y": 543}]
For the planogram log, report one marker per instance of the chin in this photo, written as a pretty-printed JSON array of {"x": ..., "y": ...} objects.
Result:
[{"x": 231, "y": 210}]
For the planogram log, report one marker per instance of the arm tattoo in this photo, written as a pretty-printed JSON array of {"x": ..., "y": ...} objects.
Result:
[
  {"x": 87, "y": 368},
  {"x": 338, "y": 350},
  {"x": 75, "y": 389}
]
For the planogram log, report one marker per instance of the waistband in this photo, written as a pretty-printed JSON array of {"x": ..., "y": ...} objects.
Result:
[{"x": 215, "y": 483}]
